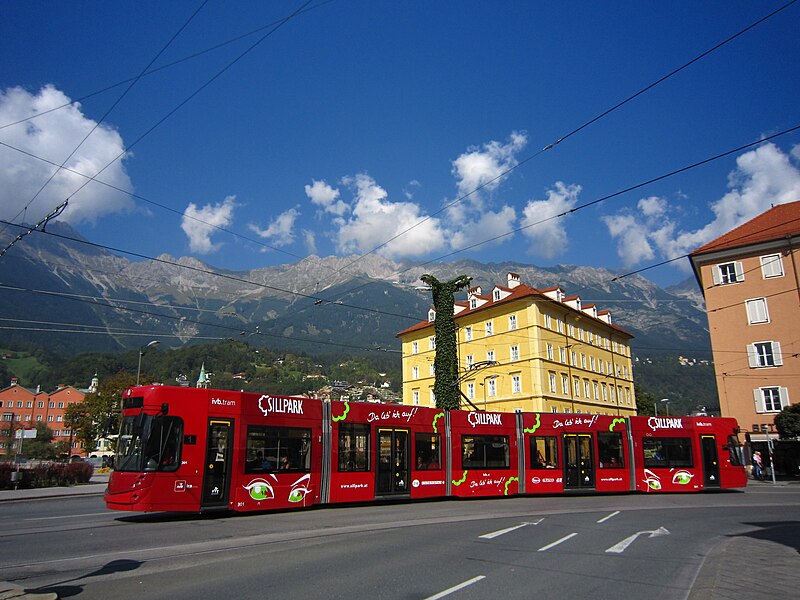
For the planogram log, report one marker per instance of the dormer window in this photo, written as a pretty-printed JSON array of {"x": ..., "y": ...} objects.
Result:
[
  {"x": 431, "y": 316},
  {"x": 473, "y": 303},
  {"x": 496, "y": 295}
]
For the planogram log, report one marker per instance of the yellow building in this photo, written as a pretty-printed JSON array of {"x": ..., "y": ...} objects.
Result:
[{"x": 524, "y": 349}]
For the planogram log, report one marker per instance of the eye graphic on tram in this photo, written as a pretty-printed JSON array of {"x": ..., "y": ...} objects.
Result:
[
  {"x": 682, "y": 477},
  {"x": 261, "y": 489},
  {"x": 299, "y": 489}
]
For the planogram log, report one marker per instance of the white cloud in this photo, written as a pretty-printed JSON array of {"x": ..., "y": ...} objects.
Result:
[
  {"x": 632, "y": 239},
  {"x": 376, "y": 219},
  {"x": 763, "y": 177},
  {"x": 53, "y": 136},
  {"x": 483, "y": 167},
  {"x": 280, "y": 231},
  {"x": 489, "y": 225},
  {"x": 310, "y": 241},
  {"x": 326, "y": 197},
  {"x": 544, "y": 229},
  {"x": 199, "y": 224}
]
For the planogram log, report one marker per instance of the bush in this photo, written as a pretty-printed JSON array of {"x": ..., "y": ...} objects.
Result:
[{"x": 46, "y": 474}]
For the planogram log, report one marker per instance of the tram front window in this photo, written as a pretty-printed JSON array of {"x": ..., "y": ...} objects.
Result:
[{"x": 148, "y": 443}]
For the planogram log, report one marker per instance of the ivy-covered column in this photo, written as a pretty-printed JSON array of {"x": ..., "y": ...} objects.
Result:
[{"x": 445, "y": 362}]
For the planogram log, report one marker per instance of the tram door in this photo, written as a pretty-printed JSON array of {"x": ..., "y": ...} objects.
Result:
[
  {"x": 217, "y": 473},
  {"x": 393, "y": 467},
  {"x": 578, "y": 461},
  {"x": 708, "y": 445}
]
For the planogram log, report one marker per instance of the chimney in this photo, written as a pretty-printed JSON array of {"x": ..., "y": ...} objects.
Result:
[{"x": 513, "y": 280}]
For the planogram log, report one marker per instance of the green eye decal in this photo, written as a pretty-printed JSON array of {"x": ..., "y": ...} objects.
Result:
[
  {"x": 436, "y": 417},
  {"x": 653, "y": 484},
  {"x": 682, "y": 477},
  {"x": 260, "y": 489},
  {"x": 299, "y": 489},
  {"x": 536, "y": 425},
  {"x": 344, "y": 415},
  {"x": 510, "y": 480},
  {"x": 462, "y": 480}
]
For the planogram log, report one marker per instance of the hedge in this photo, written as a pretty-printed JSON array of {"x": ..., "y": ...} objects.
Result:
[{"x": 45, "y": 475}]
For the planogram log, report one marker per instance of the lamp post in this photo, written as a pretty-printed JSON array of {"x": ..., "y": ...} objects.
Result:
[
  {"x": 485, "y": 379},
  {"x": 666, "y": 403},
  {"x": 141, "y": 354}
]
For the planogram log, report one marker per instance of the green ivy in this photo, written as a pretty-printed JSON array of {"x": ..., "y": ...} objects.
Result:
[{"x": 445, "y": 363}]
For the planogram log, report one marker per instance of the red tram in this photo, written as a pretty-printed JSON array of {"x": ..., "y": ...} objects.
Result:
[{"x": 187, "y": 449}]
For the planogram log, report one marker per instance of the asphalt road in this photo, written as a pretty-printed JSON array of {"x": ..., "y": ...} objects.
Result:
[{"x": 634, "y": 546}]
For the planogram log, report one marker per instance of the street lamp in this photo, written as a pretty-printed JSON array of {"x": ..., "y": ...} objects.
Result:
[
  {"x": 666, "y": 403},
  {"x": 141, "y": 354},
  {"x": 485, "y": 379}
]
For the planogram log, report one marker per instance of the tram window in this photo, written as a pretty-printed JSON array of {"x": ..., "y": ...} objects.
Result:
[
  {"x": 277, "y": 449},
  {"x": 353, "y": 447},
  {"x": 735, "y": 451},
  {"x": 609, "y": 449},
  {"x": 428, "y": 451},
  {"x": 485, "y": 452},
  {"x": 544, "y": 453},
  {"x": 667, "y": 452}
]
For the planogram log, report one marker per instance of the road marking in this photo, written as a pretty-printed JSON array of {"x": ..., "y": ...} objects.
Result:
[
  {"x": 494, "y": 534},
  {"x": 606, "y": 518},
  {"x": 455, "y": 588},
  {"x": 620, "y": 547},
  {"x": 70, "y": 516},
  {"x": 557, "y": 542}
]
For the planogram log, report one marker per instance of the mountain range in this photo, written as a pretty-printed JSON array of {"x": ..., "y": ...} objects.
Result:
[{"x": 63, "y": 293}]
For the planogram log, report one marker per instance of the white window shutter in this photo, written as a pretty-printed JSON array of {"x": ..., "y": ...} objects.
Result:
[
  {"x": 739, "y": 270},
  {"x": 776, "y": 353},
  {"x": 784, "y": 396},
  {"x": 752, "y": 356},
  {"x": 758, "y": 396},
  {"x": 715, "y": 274}
]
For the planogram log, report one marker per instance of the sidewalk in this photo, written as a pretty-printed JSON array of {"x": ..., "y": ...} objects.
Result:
[{"x": 96, "y": 486}]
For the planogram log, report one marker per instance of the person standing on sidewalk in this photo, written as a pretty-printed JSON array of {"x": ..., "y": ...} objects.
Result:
[{"x": 758, "y": 466}]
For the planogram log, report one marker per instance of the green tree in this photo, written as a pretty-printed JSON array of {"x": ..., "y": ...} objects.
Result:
[
  {"x": 787, "y": 422},
  {"x": 645, "y": 402},
  {"x": 41, "y": 447},
  {"x": 98, "y": 415},
  {"x": 445, "y": 363}
]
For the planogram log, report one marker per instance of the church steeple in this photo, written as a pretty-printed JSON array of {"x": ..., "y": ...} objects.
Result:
[{"x": 202, "y": 381}]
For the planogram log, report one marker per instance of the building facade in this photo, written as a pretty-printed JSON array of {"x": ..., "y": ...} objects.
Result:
[
  {"x": 524, "y": 349},
  {"x": 749, "y": 279},
  {"x": 24, "y": 408}
]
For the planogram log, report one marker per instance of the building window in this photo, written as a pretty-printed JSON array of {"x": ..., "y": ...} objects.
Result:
[
  {"x": 757, "y": 311},
  {"x": 564, "y": 385},
  {"x": 415, "y": 397},
  {"x": 19, "y": 404},
  {"x": 562, "y": 355},
  {"x": 40, "y": 404},
  {"x": 764, "y": 354},
  {"x": 547, "y": 322},
  {"x": 490, "y": 355},
  {"x": 38, "y": 417},
  {"x": 50, "y": 418},
  {"x": 491, "y": 388},
  {"x": 571, "y": 329},
  {"x": 771, "y": 399},
  {"x": 432, "y": 343},
  {"x": 560, "y": 324},
  {"x": 414, "y": 347},
  {"x": 552, "y": 383},
  {"x": 28, "y": 417},
  {"x": 771, "y": 266},
  {"x": 516, "y": 383},
  {"x": 29, "y": 405},
  {"x": 433, "y": 370},
  {"x": 596, "y": 390},
  {"x": 512, "y": 322},
  {"x": 433, "y": 398},
  {"x": 576, "y": 387},
  {"x": 468, "y": 333},
  {"x": 726, "y": 273},
  {"x": 574, "y": 358},
  {"x": 59, "y": 418},
  {"x": 50, "y": 404},
  {"x": 514, "y": 352},
  {"x": 496, "y": 295},
  {"x": 470, "y": 361},
  {"x": 60, "y": 405},
  {"x": 489, "y": 327},
  {"x": 583, "y": 360},
  {"x": 628, "y": 395},
  {"x": 431, "y": 316},
  {"x": 471, "y": 390},
  {"x": 414, "y": 372},
  {"x": 592, "y": 363},
  {"x": 549, "y": 351},
  {"x": 473, "y": 303},
  {"x": 586, "y": 388}
]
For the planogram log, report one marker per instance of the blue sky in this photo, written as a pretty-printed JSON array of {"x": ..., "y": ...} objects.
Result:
[{"x": 358, "y": 122}]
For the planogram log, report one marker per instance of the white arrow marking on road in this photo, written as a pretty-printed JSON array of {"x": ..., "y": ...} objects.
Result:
[
  {"x": 620, "y": 548},
  {"x": 494, "y": 534}
]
